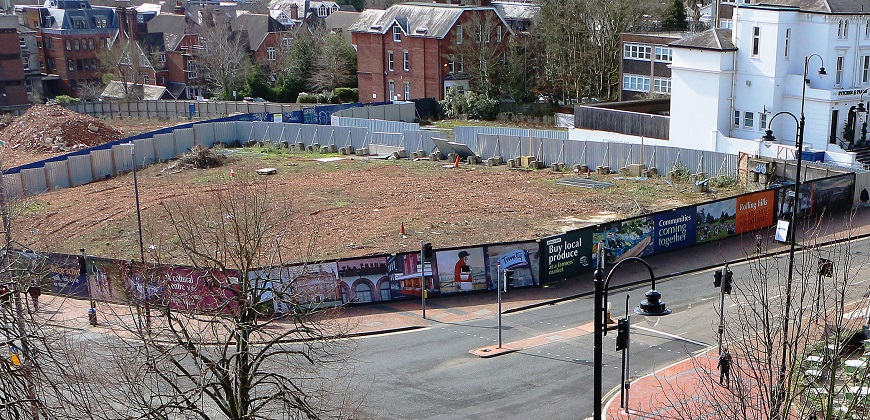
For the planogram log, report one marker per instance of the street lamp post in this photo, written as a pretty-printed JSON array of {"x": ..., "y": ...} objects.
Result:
[
  {"x": 799, "y": 143},
  {"x": 652, "y": 306}
]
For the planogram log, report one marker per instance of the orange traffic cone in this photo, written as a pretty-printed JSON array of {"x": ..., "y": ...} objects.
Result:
[
  {"x": 232, "y": 172},
  {"x": 456, "y": 164},
  {"x": 403, "y": 228}
]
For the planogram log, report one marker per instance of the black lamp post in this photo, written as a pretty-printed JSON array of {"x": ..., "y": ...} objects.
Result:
[
  {"x": 799, "y": 143},
  {"x": 651, "y": 306}
]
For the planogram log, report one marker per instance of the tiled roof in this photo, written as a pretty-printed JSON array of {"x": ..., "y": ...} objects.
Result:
[{"x": 712, "y": 39}]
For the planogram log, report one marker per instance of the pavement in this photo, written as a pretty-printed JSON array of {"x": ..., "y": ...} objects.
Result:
[{"x": 382, "y": 318}]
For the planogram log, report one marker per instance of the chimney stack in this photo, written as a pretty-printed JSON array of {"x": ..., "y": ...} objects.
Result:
[{"x": 294, "y": 11}]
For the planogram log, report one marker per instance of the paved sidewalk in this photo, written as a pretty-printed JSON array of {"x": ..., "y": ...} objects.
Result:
[{"x": 397, "y": 316}]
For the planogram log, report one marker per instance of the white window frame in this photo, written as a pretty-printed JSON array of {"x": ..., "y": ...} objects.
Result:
[
  {"x": 191, "y": 69},
  {"x": 397, "y": 33},
  {"x": 865, "y": 69},
  {"x": 390, "y": 61},
  {"x": 762, "y": 121},
  {"x": 756, "y": 41},
  {"x": 459, "y": 35},
  {"x": 736, "y": 121},
  {"x": 25, "y": 61},
  {"x": 271, "y": 54},
  {"x": 664, "y": 54},
  {"x": 406, "y": 61},
  {"x": 161, "y": 58},
  {"x": 662, "y": 85},
  {"x": 392, "y": 90},
  {"x": 748, "y": 120},
  {"x": 838, "y": 70},
  {"x": 70, "y": 65},
  {"x": 22, "y": 42},
  {"x": 498, "y": 33},
  {"x": 461, "y": 63},
  {"x": 635, "y": 51},
  {"x": 322, "y": 11},
  {"x": 843, "y": 29},
  {"x": 407, "y": 90},
  {"x": 787, "y": 42},
  {"x": 636, "y": 83},
  {"x": 451, "y": 65}
]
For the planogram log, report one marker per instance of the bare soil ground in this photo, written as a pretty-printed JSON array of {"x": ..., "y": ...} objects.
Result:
[{"x": 359, "y": 205}]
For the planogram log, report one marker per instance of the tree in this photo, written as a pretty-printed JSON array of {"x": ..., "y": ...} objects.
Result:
[
  {"x": 674, "y": 17},
  {"x": 334, "y": 65},
  {"x": 480, "y": 52},
  {"x": 520, "y": 74},
  {"x": 123, "y": 61},
  {"x": 235, "y": 359},
  {"x": 223, "y": 58},
  {"x": 770, "y": 376}
]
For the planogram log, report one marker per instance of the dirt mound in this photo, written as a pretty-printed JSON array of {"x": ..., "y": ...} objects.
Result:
[{"x": 53, "y": 128}]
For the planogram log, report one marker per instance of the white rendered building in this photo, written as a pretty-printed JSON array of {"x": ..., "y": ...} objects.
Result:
[{"x": 727, "y": 85}]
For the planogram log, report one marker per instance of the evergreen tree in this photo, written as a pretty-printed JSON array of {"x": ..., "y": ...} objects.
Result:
[{"x": 674, "y": 18}]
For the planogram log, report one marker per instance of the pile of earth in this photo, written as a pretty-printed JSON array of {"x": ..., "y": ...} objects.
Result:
[{"x": 53, "y": 128}]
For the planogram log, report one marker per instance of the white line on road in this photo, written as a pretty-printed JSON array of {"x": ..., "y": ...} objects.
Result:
[{"x": 676, "y": 337}]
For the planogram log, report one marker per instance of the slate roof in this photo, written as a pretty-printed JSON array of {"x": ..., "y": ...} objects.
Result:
[
  {"x": 115, "y": 90},
  {"x": 341, "y": 19},
  {"x": 517, "y": 11},
  {"x": 63, "y": 18},
  {"x": 257, "y": 26},
  {"x": 852, "y": 7},
  {"x": 428, "y": 20},
  {"x": 172, "y": 27},
  {"x": 711, "y": 39}
]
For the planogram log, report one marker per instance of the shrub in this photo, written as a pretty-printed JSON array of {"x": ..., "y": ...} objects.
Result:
[
  {"x": 65, "y": 99},
  {"x": 306, "y": 98},
  {"x": 346, "y": 95},
  {"x": 481, "y": 107}
]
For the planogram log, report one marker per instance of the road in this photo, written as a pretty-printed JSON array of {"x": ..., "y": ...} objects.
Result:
[{"x": 430, "y": 374}]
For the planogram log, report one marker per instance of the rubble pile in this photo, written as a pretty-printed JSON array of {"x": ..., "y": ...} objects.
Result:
[
  {"x": 199, "y": 157},
  {"x": 53, "y": 128}
]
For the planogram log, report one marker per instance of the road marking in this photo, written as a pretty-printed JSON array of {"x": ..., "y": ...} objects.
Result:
[{"x": 675, "y": 337}]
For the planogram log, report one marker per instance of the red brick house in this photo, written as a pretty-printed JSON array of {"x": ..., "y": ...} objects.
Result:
[
  {"x": 12, "y": 89},
  {"x": 408, "y": 50}
]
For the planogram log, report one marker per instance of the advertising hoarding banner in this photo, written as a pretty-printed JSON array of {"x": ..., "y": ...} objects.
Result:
[
  {"x": 673, "y": 230},
  {"x": 63, "y": 273},
  {"x": 754, "y": 211},
  {"x": 566, "y": 255}
]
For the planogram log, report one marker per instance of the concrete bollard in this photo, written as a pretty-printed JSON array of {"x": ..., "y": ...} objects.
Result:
[
  {"x": 433, "y": 158},
  {"x": 300, "y": 147},
  {"x": 342, "y": 151},
  {"x": 512, "y": 163},
  {"x": 332, "y": 148},
  {"x": 309, "y": 148},
  {"x": 324, "y": 149},
  {"x": 350, "y": 150}
]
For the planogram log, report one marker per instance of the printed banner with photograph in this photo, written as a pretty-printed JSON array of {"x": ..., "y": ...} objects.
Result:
[
  {"x": 566, "y": 255},
  {"x": 199, "y": 290},
  {"x": 461, "y": 270},
  {"x": 308, "y": 285},
  {"x": 107, "y": 280},
  {"x": 755, "y": 211},
  {"x": 523, "y": 258},
  {"x": 143, "y": 282},
  {"x": 365, "y": 279},
  {"x": 831, "y": 194},
  {"x": 404, "y": 271},
  {"x": 673, "y": 230},
  {"x": 63, "y": 273},
  {"x": 626, "y": 238},
  {"x": 715, "y": 220}
]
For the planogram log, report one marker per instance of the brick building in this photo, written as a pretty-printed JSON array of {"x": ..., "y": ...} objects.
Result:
[
  {"x": 68, "y": 35},
  {"x": 644, "y": 68},
  {"x": 408, "y": 50},
  {"x": 12, "y": 89}
]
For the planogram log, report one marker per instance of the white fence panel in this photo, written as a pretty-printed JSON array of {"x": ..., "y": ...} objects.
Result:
[
  {"x": 57, "y": 174},
  {"x": 101, "y": 164},
  {"x": 123, "y": 159},
  {"x": 12, "y": 186},
  {"x": 164, "y": 146},
  {"x": 225, "y": 132},
  {"x": 204, "y": 134},
  {"x": 259, "y": 133},
  {"x": 307, "y": 133},
  {"x": 244, "y": 131},
  {"x": 388, "y": 139},
  {"x": 183, "y": 141},
  {"x": 291, "y": 133},
  {"x": 34, "y": 181},
  {"x": 273, "y": 134},
  {"x": 80, "y": 170},
  {"x": 324, "y": 135},
  {"x": 359, "y": 137},
  {"x": 144, "y": 149},
  {"x": 341, "y": 136}
]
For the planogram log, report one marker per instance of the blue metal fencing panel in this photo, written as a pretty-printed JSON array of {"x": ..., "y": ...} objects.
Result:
[
  {"x": 225, "y": 131},
  {"x": 273, "y": 132},
  {"x": 123, "y": 161},
  {"x": 13, "y": 186},
  {"x": 183, "y": 141},
  {"x": 388, "y": 139},
  {"x": 144, "y": 149},
  {"x": 359, "y": 137},
  {"x": 204, "y": 134},
  {"x": 488, "y": 146},
  {"x": 101, "y": 164},
  {"x": 80, "y": 170},
  {"x": 57, "y": 174},
  {"x": 164, "y": 146},
  {"x": 468, "y": 134},
  {"x": 552, "y": 151},
  {"x": 307, "y": 134},
  {"x": 259, "y": 132}
]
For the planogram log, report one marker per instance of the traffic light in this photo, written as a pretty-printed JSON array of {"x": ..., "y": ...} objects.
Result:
[
  {"x": 5, "y": 295},
  {"x": 622, "y": 329},
  {"x": 726, "y": 281},
  {"x": 427, "y": 252},
  {"x": 717, "y": 278},
  {"x": 509, "y": 277}
]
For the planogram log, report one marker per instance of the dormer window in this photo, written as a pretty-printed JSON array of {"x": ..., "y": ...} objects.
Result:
[
  {"x": 322, "y": 11},
  {"x": 397, "y": 34},
  {"x": 100, "y": 22},
  {"x": 78, "y": 23}
]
